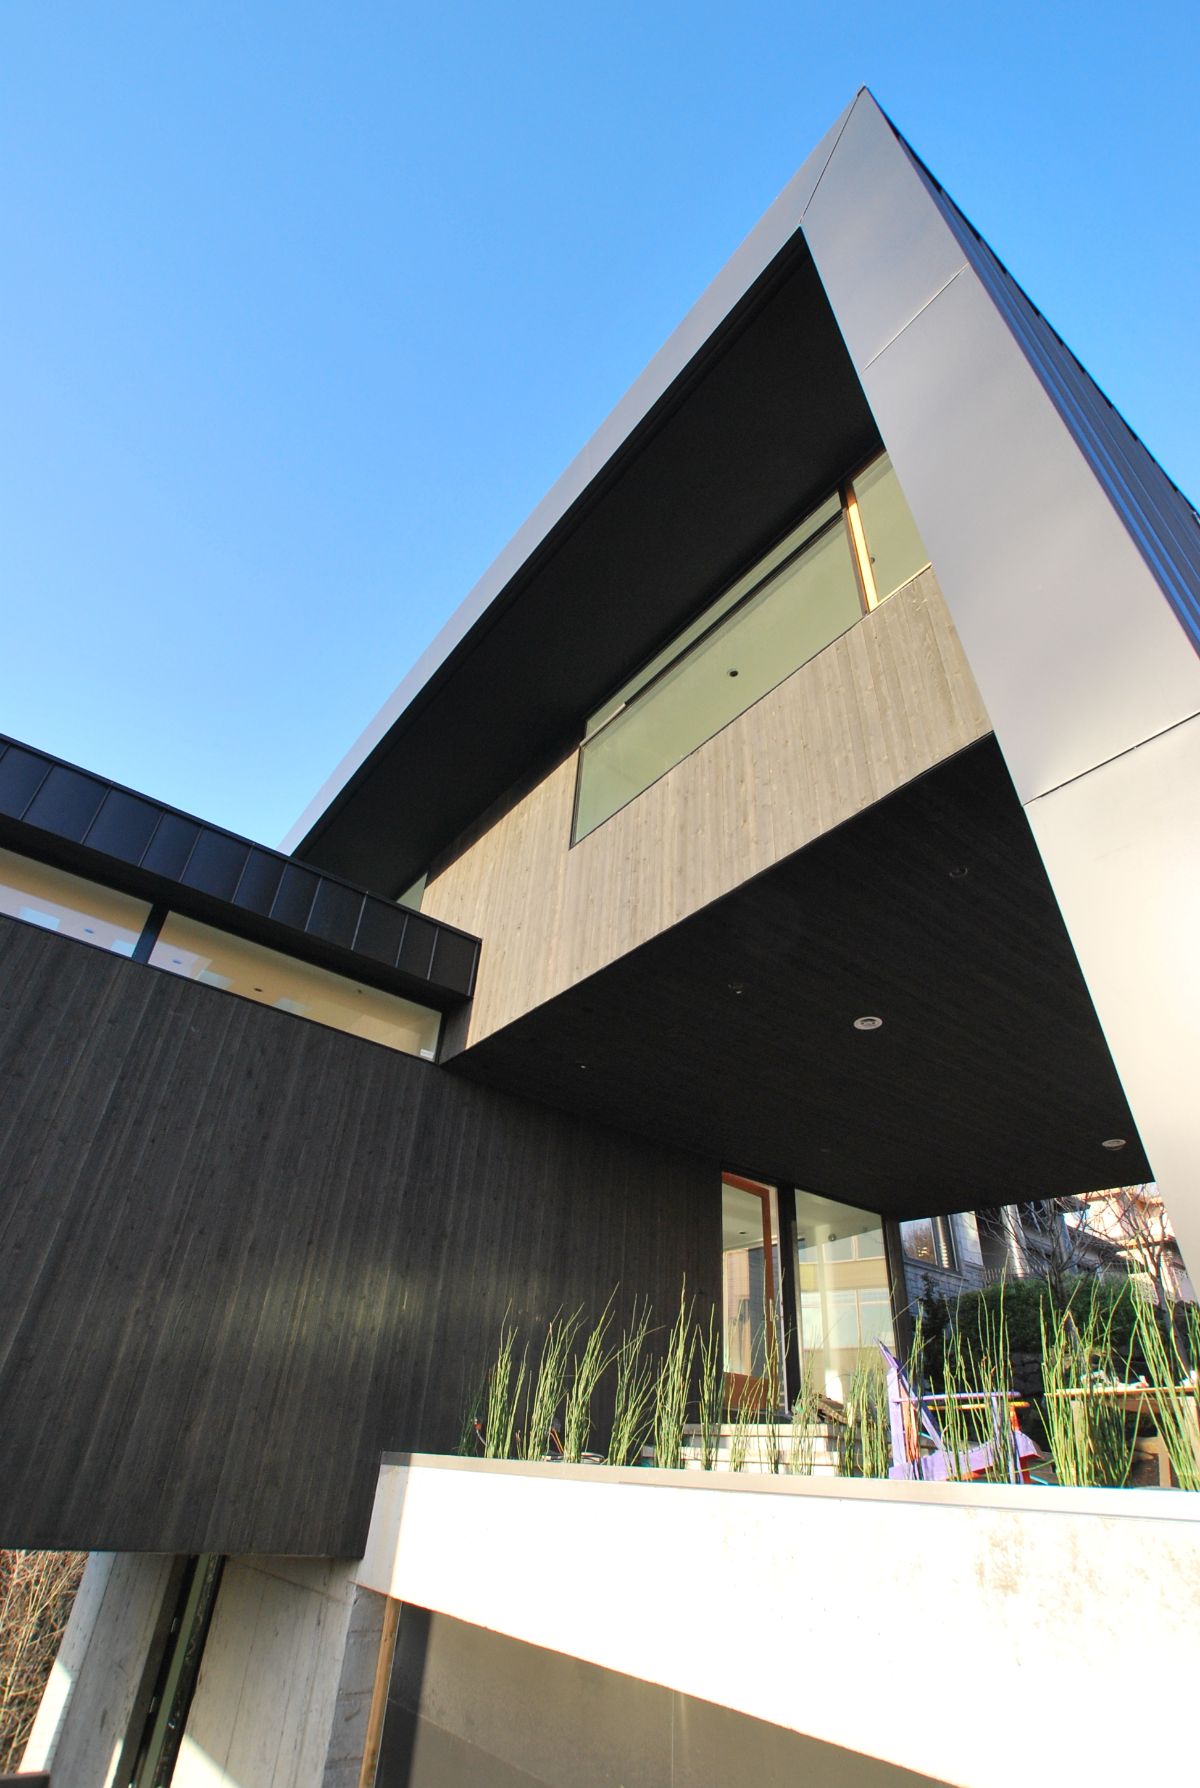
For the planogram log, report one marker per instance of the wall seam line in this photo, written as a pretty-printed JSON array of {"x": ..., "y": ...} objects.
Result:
[{"x": 1128, "y": 750}]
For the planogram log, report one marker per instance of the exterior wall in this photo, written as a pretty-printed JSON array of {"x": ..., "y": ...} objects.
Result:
[
  {"x": 786, "y": 1598},
  {"x": 88, "y": 1705},
  {"x": 468, "y": 1706},
  {"x": 1071, "y": 567},
  {"x": 266, "y": 1704},
  {"x": 242, "y": 1255},
  {"x": 889, "y": 699}
]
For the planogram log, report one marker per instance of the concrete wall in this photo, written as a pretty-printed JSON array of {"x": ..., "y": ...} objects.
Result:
[
  {"x": 467, "y": 1707},
  {"x": 89, "y": 1702},
  {"x": 932, "y": 1627},
  {"x": 278, "y": 1703}
]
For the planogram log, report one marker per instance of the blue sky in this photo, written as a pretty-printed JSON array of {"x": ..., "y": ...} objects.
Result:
[{"x": 305, "y": 306}]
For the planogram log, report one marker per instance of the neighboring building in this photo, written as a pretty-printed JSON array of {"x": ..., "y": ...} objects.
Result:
[
  {"x": 752, "y": 803},
  {"x": 1115, "y": 1233}
]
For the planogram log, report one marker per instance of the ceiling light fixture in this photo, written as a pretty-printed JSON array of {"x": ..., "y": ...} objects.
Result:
[
  {"x": 1114, "y": 1142},
  {"x": 868, "y": 1024},
  {"x": 958, "y": 872}
]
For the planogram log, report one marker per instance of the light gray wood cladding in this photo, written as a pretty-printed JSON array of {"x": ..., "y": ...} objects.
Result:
[{"x": 886, "y": 701}]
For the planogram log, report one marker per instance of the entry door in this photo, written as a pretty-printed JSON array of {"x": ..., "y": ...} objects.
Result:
[{"x": 749, "y": 1278}]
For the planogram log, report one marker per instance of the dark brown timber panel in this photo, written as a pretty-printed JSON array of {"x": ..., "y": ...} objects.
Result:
[{"x": 242, "y": 1255}]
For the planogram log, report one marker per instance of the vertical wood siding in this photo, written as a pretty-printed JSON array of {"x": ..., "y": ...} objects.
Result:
[
  {"x": 886, "y": 701},
  {"x": 242, "y": 1255}
]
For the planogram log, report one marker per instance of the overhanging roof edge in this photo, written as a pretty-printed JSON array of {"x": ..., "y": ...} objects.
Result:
[{"x": 778, "y": 224}]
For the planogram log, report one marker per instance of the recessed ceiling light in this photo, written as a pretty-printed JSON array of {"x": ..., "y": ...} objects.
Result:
[
  {"x": 1114, "y": 1142},
  {"x": 737, "y": 987},
  {"x": 958, "y": 872},
  {"x": 733, "y": 673},
  {"x": 868, "y": 1024}
]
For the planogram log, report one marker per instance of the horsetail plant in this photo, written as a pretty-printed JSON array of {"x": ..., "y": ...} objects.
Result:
[
  {"x": 805, "y": 1410},
  {"x": 549, "y": 1386},
  {"x": 590, "y": 1366},
  {"x": 633, "y": 1398},
  {"x": 711, "y": 1351},
  {"x": 1175, "y": 1402},
  {"x": 505, "y": 1385},
  {"x": 672, "y": 1388},
  {"x": 1085, "y": 1429}
]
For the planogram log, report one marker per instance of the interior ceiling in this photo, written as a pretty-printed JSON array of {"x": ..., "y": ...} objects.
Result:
[
  {"x": 732, "y": 1034},
  {"x": 765, "y": 420}
]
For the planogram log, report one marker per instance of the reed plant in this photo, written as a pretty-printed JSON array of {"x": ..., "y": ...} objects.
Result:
[
  {"x": 802, "y": 1438},
  {"x": 864, "y": 1445},
  {"x": 1085, "y": 1430},
  {"x": 591, "y": 1363},
  {"x": 633, "y": 1396},
  {"x": 771, "y": 1438},
  {"x": 505, "y": 1390},
  {"x": 548, "y": 1386},
  {"x": 739, "y": 1418},
  {"x": 710, "y": 1348},
  {"x": 673, "y": 1388},
  {"x": 1171, "y": 1365}
]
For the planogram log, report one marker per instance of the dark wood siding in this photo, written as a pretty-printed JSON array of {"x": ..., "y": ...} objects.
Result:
[{"x": 242, "y": 1255}]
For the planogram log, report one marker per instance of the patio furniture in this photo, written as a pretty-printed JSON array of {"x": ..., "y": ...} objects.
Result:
[{"x": 918, "y": 1446}]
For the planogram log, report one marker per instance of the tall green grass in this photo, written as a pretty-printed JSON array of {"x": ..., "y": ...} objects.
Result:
[
  {"x": 1170, "y": 1362},
  {"x": 672, "y": 1387},
  {"x": 633, "y": 1396},
  {"x": 591, "y": 1363}
]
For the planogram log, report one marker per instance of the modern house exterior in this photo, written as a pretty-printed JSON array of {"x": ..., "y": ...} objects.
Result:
[{"x": 793, "y": 835}]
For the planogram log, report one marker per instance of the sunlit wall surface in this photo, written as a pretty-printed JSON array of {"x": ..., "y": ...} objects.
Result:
[{"x": 217, "y": 959}]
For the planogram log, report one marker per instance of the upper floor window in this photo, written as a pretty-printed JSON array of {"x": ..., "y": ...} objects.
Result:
[
  {"x": 858, "y": 547},
  {"x": 929, "y": 1240},
  {"x": 43, "y": 895}
]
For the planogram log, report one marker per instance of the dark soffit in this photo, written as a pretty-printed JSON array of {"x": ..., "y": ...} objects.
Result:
[
  {"x": 733, "y": 1032},
  {"x": 762, "y": 423}
]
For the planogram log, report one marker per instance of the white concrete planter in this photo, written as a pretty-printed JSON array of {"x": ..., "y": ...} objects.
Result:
[{"x": 950, "y": 1628}]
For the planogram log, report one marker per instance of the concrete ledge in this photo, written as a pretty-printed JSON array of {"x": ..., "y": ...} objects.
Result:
[{"x": 907, "y": 1622}]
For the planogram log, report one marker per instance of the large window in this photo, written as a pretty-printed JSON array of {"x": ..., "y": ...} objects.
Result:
[
  {"x": 42, "y": 895},
  {"x": 185, "y": 947},
  {"x": 842, "y": 1288},
  {"x": 853, "y": 551}
]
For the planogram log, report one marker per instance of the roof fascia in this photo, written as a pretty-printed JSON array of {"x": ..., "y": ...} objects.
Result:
[{"x": 748, "y": 262}]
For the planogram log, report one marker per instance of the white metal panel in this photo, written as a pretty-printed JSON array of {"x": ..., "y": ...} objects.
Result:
[
  {"x": 1122, "y": 848},
  {"x": 882, "y": 250},
  {"x": 1077, "y": 652}
]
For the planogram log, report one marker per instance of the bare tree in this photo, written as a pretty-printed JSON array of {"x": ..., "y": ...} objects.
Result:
[{"x": 36, "y": 1593}]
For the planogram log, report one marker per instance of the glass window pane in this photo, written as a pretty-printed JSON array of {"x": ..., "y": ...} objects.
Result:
[
  {"x": 270, "y": 978},
  {"x": 896, "y": 549},
  {"x": 69, "y": 904},
  {"x": 804, "y": 604},
  {"x": 842, "y": 1288}
]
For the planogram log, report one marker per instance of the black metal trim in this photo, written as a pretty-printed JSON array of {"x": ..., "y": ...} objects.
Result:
[{"x": 112, "y": 835}]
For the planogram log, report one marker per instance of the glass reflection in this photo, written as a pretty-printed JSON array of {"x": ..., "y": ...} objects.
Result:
[{"x": 842, "y": 1288}]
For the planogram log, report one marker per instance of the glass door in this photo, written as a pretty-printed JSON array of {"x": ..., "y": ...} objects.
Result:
[{"x": 750, "y": 1290}]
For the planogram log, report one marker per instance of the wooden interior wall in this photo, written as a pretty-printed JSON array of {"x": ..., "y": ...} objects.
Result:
[
  {"x": 886, "y": 701},
  {"x": 242, "y": 1255}
]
